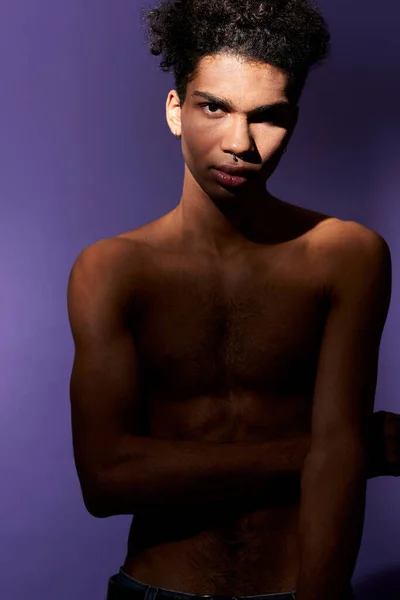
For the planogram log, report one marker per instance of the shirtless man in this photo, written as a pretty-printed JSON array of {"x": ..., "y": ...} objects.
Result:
[{"x": 226, "y": 358}]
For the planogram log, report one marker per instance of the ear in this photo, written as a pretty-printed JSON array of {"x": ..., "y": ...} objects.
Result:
[{"x": 173, "y": 112}]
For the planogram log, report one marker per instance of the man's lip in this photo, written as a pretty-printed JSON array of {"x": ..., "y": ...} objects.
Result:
[{"x": 236, "y": 171}]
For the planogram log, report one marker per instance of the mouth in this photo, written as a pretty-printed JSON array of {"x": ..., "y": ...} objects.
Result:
[
  {"x": 236, "y": 171},
  {"x": 237, "y": 178}
]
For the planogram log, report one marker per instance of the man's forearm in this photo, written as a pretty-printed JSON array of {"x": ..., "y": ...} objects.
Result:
[
  {"x": 204, "y": 474},
  {"x": 152, "y": 474},
  {"x": 331, "y": 521}
]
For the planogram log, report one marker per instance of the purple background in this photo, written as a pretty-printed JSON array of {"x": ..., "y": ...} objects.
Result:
[{"x": 82, "y": 121}]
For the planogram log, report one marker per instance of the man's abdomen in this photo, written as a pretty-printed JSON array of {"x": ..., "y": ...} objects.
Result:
[{"x": 229, "y": 551}]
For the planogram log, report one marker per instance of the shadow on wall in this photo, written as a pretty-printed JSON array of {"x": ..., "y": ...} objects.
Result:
[{"x": 382, "y": 585}]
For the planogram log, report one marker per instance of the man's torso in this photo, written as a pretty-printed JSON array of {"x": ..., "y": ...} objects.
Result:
[{"x": 228, "y": 353}]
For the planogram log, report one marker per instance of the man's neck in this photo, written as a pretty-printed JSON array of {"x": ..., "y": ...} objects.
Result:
[{"x": 205, "y": 226}]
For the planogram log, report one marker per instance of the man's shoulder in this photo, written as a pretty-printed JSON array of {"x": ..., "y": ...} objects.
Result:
[
  {"x": 106, "y": 253},
  {"x": 111, "y": 266},
  {"x": 347, "y": 236},
  {"x": 349, "y": 250}
]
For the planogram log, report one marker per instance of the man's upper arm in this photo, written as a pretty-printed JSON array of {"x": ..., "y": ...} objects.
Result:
[
  {"x": 104, "y": 386},
  {"x": 346, "y": 379}
]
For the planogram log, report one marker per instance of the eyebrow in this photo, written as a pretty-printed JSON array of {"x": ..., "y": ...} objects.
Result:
[{"x": 228, "y": 104}]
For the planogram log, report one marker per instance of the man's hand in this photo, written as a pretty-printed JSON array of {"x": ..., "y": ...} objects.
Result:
[{"x": 384, "y": 445}]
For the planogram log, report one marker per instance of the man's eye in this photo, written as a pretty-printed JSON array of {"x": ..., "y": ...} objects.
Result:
[
  {"x": 210, "y": 104},
  {"x": 269, "y": 116}
]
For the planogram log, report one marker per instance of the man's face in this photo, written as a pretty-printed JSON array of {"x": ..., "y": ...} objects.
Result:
[{"x": 212, "y": 131}]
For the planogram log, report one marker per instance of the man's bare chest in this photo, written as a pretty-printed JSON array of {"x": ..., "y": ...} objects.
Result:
[{"x": 226, "y": 341}]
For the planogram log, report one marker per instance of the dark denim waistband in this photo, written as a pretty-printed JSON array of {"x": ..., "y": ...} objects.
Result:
[{"x": 123, "y": 587}]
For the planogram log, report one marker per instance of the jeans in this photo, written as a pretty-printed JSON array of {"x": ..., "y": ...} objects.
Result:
[{"x": 123, "y": 587}]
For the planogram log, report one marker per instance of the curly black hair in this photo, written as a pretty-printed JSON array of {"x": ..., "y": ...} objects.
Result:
[{"x": 290, "y": 35}]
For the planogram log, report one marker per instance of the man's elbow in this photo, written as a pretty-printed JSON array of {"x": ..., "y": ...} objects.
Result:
[
  {"x": 95, "y": 496},
  {"x": 95, "y": 510},
  {"x": 95, "y": 503}
]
